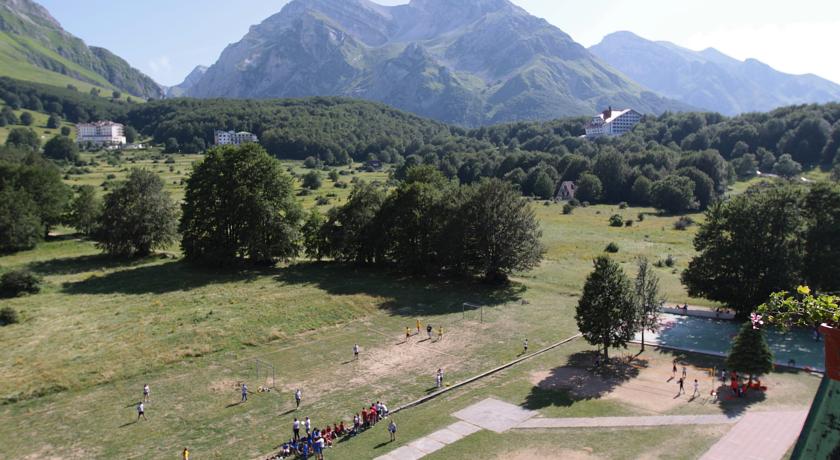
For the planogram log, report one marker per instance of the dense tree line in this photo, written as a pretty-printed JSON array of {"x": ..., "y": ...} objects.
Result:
[
  {"x": 431, "y": 225},
  {"x": 32, "y": 198},
  {"x": 769, "y": 239}
]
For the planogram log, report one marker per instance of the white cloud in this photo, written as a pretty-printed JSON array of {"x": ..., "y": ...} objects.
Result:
[{"x": 160, "y": 68}]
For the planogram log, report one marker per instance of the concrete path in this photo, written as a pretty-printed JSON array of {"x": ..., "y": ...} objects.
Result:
[
  {"x": 759, "y": 436},
  {"x": 600, "y": 422},
  {"x": 428, "y": 444}
]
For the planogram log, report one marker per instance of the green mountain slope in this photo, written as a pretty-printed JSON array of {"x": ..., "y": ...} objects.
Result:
[
  {"x": 470, "y": 62},
  {"x": 34, "y": 47}
]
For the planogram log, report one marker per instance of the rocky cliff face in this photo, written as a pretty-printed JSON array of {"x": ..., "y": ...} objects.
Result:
[
  {"x": 190, "y": 81},
  {"x": 709, "y": 79},
  {"x": 470, "y": 62}
]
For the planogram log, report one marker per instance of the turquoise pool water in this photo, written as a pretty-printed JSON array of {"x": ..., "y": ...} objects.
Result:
[{"x": 715, "y": 336}]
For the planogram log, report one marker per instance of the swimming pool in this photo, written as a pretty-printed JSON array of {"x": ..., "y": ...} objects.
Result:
[{"x": 715, "y": 337}]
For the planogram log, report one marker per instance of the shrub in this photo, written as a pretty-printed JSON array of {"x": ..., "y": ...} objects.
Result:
[
  {"x": 341, "y": 184},
  {"x": 310, "y": 163},
  {"x": 8, "y": 315},
  {"x": 333, "y": 175},
  {"x": 641, "y": 217},
  {"x": 567, "y": 208},
  {"x": 670, "y": 261},
  {"x": 683, "y": 223},
  {"x": 322, "y": 201},
  {"x": 616, "y": 221},
  {"x": 574, "y": 202},
  {"x": 628, "y": 223},
  {"x": 584, "y": 204},
  {"x": 622, "y": 205},
  {"x": 611, "y": 248},
  {"x": 312, "y": 180},
  {"x": 19, "y": 282}
]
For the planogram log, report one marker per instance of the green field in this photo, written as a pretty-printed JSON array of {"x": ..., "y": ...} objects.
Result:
[
  {"x": 74, "y": 367},
  {"x": 39, "y": 124}
]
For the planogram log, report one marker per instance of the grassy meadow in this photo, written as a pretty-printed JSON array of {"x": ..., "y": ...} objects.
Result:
[{"x": 73, "y": 369}]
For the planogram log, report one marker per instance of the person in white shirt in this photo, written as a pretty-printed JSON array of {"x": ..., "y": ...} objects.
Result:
[
  {"x": 356, "y": 351},
  {"x": 296, "y": 429},
  {"x": 307, "y": 424},
  {"x": 298, "y": 397},
  {"x": 141, "y": 411},
  {"x": 146, "y": 393}
]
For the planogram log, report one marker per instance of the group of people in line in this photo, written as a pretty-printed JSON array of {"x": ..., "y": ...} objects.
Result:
[{"x": 314, "y": 440}]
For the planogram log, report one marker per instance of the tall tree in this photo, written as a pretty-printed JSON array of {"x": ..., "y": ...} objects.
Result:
[
  {"x": 350, "y": 232},
  {"x": 750, "y": 353},
  {"x": 61, "y": 148},
  {"x": 748, "y": 248},
  {"x": 85, "y": 209},
  {"x": 23, "y": 138},
  {"x": 606, "y": 313},
  {"x": 20, "y": 225},
  {"x": 822, "y": 240},
  {"x": 648, "y": 299},
  {"x": 138, "y": 216},
  {"x": 240, "y": 205},
  {"x": 499, "y": 232},
  {"x": 674, "y": 195}
]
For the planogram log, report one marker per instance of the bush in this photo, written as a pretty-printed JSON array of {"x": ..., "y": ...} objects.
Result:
[
  {"x": 628, "y": 223},
  {"x": 322, "y": 201},
  {"x": 622, "y": 205},
  {"x": 341, "y": 184},
  {"x": 8, "y": 315},
  {"x": 641, "y": 217},
  {"x": 333, "y": 175},
  {"x": 574, "y": 202},
  {"x": 611, "y": 248},
  {"x": 310, "y": 163},
  {"x": 616, "y": 221},
  {"x": 683, "y": 223},
  {"x": 312, "y": 180},
  {"x": 567, "y": 208},
  {"x": 670, "y": 261},
  {"x": 15, "y": 283}
]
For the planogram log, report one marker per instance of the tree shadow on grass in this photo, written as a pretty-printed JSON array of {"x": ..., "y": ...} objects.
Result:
[
  {"x": 159, "y": 279},
  {"x": 82, "y": 264},
  {"x": 406, "y": 296},
  {"x": 580, "y": 380}
]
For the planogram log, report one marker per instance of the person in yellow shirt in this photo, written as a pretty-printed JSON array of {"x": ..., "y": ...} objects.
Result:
[
  {"x": 418, "y": 326},
  {"x": 440, "y": 332},
  {"x": 186, "y": 454}
]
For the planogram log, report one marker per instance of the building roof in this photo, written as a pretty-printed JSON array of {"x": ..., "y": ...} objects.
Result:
[{"x": 99, "y": 123}]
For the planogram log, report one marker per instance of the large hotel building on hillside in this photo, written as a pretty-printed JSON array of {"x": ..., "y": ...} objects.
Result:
[
  {"x": 612, "y": 123},
  {"x": 234, "y": 138},
  {"x": 101, "y": 133}
]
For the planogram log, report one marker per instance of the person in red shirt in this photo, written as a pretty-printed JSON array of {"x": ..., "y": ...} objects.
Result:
[{"x": 365, "y": 421}]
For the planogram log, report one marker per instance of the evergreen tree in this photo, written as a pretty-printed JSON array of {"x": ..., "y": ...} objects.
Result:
[
  {"x": 750, "y": 353},
  {"x": 240, "y": 205},
  {"x": 606, "y": 313},
  {"x": 138, "y": 216}
]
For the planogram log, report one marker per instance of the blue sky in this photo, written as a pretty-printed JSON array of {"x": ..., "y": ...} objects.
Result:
[{"x": 167, "y": 38}]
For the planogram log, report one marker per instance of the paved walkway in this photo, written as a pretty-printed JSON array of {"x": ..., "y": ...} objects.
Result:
[
  {"x": 655, "y": 420},
  {"x": 759, "y": 436},
  {"x": 743, "y": 439}
]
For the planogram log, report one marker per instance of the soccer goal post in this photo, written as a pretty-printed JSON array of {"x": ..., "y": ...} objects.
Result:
[{"x": 266, "y": 373}]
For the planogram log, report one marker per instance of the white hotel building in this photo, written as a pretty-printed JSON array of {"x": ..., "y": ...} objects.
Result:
[
  {"x": 612, "y": 123},
  {"x": 234, "y": 138},
  {"x": 101, "y": 133}
]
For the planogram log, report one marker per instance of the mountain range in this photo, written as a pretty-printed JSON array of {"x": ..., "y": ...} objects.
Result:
[
  {"x": 709, "y": 79},
  {"x": 34, "y": 47},
  {"x": 181, "y": 89},
  {"x": 469, "y": 62}
]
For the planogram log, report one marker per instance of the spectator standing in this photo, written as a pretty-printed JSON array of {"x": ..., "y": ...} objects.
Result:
[
  {"x": 141, "y": 411},
  {"x": 298, "y": 397},
  {"x": 244, "y": 393},
  {"x": 146, "y": 393},
  {"x": 392, "y": 428}
]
